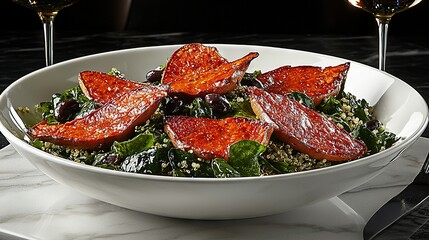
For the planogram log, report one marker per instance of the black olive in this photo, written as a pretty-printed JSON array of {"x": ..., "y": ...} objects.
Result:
[
  {"x": 174, "y": 105},
  {"x": 218, "y": 103},
  {"x": 154, "y": 75},
  {"x": 66, "y": 109},
  {"x": 373, "y": 124}
]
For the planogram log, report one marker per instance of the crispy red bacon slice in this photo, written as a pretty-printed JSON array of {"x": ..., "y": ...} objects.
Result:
[
  {"x": 303, "y": 128},
  {"x": 102, "y": 87},
  {"x": 211, "y": 138},
  {"x": 114, "y": 121},
  {"x": 316, "y": 82},
  {"x": 196, "y": 70}
]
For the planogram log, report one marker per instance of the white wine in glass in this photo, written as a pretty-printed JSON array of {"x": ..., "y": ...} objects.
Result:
[
  {"x": 47, "y": 11},
  {"x": 383, "y": 10}
]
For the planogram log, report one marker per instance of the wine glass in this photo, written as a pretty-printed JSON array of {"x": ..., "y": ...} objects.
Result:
[
  {"x": 383, "y": 10},
  {"x": 47, "y": 11}
]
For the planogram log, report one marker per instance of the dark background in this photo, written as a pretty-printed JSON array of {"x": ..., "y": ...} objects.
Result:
[{"x": 237, "y": 16}]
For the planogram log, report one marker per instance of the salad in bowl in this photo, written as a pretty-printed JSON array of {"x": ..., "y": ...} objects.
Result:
[
  {"x": 211, "y": 131},
  {"x": 200, "y": 115}
]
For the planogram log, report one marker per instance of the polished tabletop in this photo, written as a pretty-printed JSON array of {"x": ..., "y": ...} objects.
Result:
[{"x": 407, "y": 57}]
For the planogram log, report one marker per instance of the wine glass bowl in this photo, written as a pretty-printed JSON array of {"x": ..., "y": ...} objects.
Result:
[
  {"x": 383, "y": 11},
  {"x": 47, "y": 11}
]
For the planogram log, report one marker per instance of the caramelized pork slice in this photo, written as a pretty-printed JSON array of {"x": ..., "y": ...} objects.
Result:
[
  {"x": 197, "y": 70},
  {"x": 114, "y": 121},
  {"x": 102, "y": 87},
  {"x": 316, "y": 82},
  {"x": 303, "y": 128},
  {"x": 211, "y": 138}
]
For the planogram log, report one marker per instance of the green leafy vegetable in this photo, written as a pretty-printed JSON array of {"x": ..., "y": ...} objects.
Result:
[
  {"x": 244, "y": 155},
  {"x": 222, "y": 169},
  {"x": 185, "y": 164},
  {"x": 243, "y": 109},
  {"x": 46, "y": 110},
  {"x": 330, "y": 106},
  {"x": 115, "y": 72},
  {"x": 148, "y": 162},
  {"x": 200, "y": 109},
  {"x": 137, "y": 144},
  {"x": 302, "y": 98}
]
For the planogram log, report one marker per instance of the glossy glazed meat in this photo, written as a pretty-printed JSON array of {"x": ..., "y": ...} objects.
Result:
[
  {"x": 303, "y": 128},
  {"x": 114, "y": 121},
  {"x": 211, "y": 138},
  {"x": 197, "y": 70},
  {"x": 102, "y": 87},
  {"x": 316, "y": 82}
]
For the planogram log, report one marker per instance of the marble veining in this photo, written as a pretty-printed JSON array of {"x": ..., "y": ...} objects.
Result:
[{"x": 35, "y": 207}]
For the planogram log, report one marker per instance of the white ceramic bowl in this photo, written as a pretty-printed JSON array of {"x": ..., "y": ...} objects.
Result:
[{"x": 398, "y": 105}]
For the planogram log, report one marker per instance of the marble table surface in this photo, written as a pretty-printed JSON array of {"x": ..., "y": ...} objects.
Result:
[{"x": 32, "y": 206}]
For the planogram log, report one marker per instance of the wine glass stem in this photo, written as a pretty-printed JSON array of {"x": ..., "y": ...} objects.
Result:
[
  {"x": 383, "y": 24},
  {"x": 49, "y": 39},
  {"x": 48, "y": 34}
]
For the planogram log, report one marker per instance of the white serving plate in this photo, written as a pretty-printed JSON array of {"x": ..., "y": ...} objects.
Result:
[{"x": 398, "y": 105}]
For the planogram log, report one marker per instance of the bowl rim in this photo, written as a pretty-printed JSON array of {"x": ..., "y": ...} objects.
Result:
[{"x": 14, "y": 140}]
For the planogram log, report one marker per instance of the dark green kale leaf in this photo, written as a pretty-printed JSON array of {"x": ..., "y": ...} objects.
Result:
[
  {"x": 86, "y": 108},
  {"x": 200, "y": 109},
  {"x": 250, "y": 79},
  {"x": 277, "y": 167},
  {"x": 46, "y": 110},
  {"x": 185, "y": 164},
  {"x": 222, "y": 169},
  {"x": 139, "y": 143},
  {"x": 115, "y": 72},
  {"x": 330, "y": 106},
  {"x": 240, "y": 104},
  {"x": 376, "y": 140},
  {"x": 244, "y": 155},
  {"x": 337, "y": 119},
  {"x": 387, "y": 138},
  {"x": 243, "y": 109},
  {"x": 359, "y": 108},
  {"x": 147, "y": 162},
  {"x": 302, "y": 98},
  {"x": 368, "y": 137}
]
